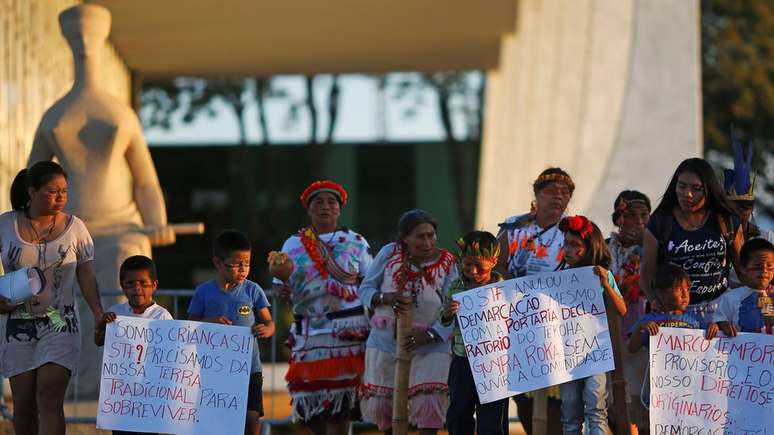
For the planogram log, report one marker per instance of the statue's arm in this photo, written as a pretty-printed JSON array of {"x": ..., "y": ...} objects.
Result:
[
  {"x": 147, "y": 191},
  {"x": 41, "y": 148}
]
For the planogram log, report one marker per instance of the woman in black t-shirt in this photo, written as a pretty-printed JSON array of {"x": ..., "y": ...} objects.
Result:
[{"x": 696, "y": 228}]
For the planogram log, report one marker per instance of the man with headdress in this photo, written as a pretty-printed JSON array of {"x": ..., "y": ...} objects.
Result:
[{"x": 739, "y": 184}]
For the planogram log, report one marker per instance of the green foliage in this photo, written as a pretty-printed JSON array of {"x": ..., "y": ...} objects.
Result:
[{"x": 738, "y": 81}]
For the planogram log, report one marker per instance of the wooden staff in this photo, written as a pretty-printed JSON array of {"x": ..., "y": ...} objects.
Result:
[
  {"x": 402, "y": 371},
  {"x": 182, "y": 229},
  {"x": 622, "y": 419}
]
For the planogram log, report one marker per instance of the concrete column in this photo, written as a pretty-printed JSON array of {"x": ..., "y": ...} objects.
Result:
[{"x": 610, "y": 90}]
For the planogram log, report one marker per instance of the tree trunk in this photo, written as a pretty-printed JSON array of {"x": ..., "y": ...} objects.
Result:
[
  {"x": 260, "y": 89},
  {"x": 456, "y": 157},
  {"x": 402, "y": 371},
  {"x": 269, "y": 215},
  {"x": 333, "y": 109},
  {"x": 312, "y": 109}
]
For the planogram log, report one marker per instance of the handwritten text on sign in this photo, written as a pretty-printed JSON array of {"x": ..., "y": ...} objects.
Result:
[
  {"x": 174, "y": 376},
  {"x": 529, "y": 333},
  {"x": 723, "y": 386}
]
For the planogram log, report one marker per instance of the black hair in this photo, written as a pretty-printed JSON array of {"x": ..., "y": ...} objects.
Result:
[
  {"x": 752, "y": 246},
  {"x": 229, "y": 241},
  {"x": 36, "y": 176},
  {"x": 538, "y": 186},
  {"x": 597, "y": 253},
  {"x": 485, "y": 240},
  {"x": 412, "y": 219},
  {"x": 668, "y": 276},
  {"x": 713, "y": 192},
  {"x": 628, "y": 195},
  {"x": 138, "y": 262}
]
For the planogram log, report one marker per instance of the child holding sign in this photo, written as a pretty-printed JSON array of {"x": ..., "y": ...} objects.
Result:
[
  {"x": 584, "y": 245},
  {"x": 138, "y": 281},
  {"x": 232, "y": 299},
  {"x": 749, "y": 309},
  {"x": 479, "y": 251},
  {"x": 671, "y": 286}
]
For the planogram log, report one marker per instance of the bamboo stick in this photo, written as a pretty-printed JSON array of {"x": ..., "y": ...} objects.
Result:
[{"x": 402, "y": 371}]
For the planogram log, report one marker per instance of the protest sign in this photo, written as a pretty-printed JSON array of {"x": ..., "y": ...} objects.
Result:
[
  {"x": 174, "y": 376},
  {"x": 722, "y": 386},
  {"x": 529, "y": 333}
]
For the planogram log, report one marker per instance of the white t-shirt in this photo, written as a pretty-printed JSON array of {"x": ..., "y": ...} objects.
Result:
[
  {"x": 532, "y": 249},
  {"x": 154, "y": 312}
]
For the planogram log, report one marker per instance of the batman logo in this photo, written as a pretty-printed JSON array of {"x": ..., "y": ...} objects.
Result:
[{"x": 244, "y": 310}]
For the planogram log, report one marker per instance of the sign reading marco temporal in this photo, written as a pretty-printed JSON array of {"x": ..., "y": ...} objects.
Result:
[
  {"x": 529, "y": 333},
  {"x": 705, "y": 387},
  {"x": 174, "y": 376}
]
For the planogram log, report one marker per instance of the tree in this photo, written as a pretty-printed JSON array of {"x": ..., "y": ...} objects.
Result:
[
  {"x": 194, "y": 97},
  {"x": 738, "y": 82},
  {"x": 457, "y": 94}
]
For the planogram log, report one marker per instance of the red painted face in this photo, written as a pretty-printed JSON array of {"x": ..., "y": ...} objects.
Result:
[
  {"x": 574, "y": 249},
  {"x": 478, "y": 269}
]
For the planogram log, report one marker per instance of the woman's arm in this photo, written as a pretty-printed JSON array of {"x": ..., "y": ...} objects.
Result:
[
  {"x": 445, "y": 329},
  {"x": 615, "y": 298},
  {"x": 88, "y": 282},
  {"x": 369, "y": 290},
  {"x": 502, "y": 262}
]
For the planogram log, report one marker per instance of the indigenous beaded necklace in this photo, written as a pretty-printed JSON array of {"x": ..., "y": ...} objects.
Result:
[
  {"x": 321, "y": 254},
  {"x": 408, "y": 279},
  {"x": 310, "y": 241}
]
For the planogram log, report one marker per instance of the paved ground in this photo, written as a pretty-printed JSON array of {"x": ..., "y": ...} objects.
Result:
[{"x": 276, "y": 407}]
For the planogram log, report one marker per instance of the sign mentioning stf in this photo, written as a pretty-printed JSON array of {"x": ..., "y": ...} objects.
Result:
[
  {"x": 529, "y": 333},
  {"x": 720, "y": 386},
  {"x": 174, "y": 376}
]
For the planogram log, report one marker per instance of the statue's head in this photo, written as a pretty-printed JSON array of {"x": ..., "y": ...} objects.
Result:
[{"x": 86, "y": 28}]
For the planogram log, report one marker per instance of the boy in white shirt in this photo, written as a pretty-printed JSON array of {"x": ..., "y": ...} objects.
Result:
[
  {"x": 750, "y": 308},
  {"x": 138, "y": 281}
]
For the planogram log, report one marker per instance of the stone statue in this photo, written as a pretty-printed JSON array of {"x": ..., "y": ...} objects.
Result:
[{"x": 113, "y": 186}]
